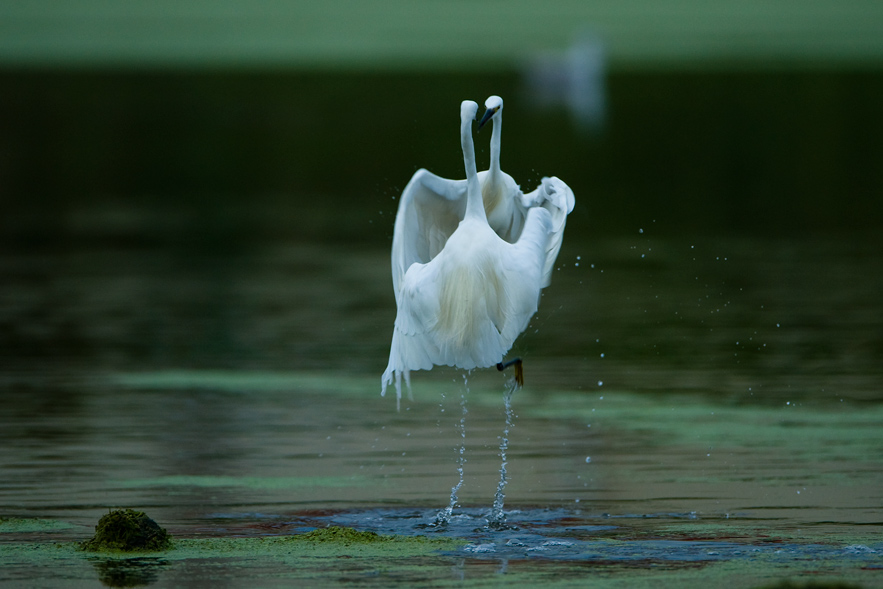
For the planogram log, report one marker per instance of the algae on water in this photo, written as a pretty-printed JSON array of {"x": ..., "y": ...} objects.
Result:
[
  {"x": 128, "y": 530},
  {"x": 333, "y": 541},
  {"x": 343, "y": 535},
  {"x": 17, "y": 525}
]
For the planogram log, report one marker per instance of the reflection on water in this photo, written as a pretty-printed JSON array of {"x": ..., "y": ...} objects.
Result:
[{"x": 131, "y": 572}]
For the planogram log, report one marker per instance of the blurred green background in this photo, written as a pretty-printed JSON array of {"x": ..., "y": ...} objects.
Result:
[{"x": 751, "y": 116}]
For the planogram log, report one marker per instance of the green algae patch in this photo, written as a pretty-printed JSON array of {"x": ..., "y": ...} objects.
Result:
[
  {"x": 18, "y": 525},
  {"x": 245, "y": 382},
  {"x": 343, "y": 535},
  {"x": 812, "y": 585},
  {"x": 331, "y": 541},
  {"x": 344, "y": 556},
  {"x": 127, "y": 530}
]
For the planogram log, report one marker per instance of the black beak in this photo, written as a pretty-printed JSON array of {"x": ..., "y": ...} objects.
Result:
[{"x": 488, "y": 114}]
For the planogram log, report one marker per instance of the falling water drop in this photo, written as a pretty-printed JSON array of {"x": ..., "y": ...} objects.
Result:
[
  {"x": 444, "y": 516},
  {"x": 497, "y": 517}
]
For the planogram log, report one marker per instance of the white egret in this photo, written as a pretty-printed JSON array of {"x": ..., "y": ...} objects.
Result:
[
  {"x": 431, "y": 207},
  {"x": 463, "y": 297}
]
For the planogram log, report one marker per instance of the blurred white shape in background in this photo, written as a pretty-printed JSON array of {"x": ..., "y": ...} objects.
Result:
[{"x": 574, "y": 79}]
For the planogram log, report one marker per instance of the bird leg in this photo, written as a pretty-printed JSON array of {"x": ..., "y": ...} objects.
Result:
[{"x": 519, "y": 371}]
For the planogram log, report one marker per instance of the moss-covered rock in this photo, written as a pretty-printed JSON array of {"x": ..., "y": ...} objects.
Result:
[
  {"x": 343, "y": 535},
  {"x": 128, "y": 530}
]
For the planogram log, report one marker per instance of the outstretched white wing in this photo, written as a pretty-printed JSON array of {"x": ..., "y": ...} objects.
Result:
[
  {"x": 430, "y": 210},
  {"x": 556, "y": 197},
  {"x": 522, "y": 266}
]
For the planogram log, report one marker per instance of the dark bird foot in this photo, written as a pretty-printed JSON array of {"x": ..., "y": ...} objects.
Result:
[{"x": 519, "y": 371}]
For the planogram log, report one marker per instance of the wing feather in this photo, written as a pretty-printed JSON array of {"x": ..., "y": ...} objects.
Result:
[
  {"x": 429, "y": 211},
  {"x": 523, "y": 264},
  {"x": 556, "y": 197}
]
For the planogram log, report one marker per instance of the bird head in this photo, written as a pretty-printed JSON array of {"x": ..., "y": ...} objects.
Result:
[
  {"x": 468, "y": 110},
  {"x": 493, "y": 105}
]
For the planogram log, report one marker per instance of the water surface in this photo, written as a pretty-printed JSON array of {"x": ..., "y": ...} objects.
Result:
[{"x": 691, "y": 404}]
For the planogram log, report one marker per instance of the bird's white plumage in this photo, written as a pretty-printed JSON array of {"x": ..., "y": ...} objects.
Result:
[
  {"x": 431, "y": 207},
  {"x": 465, "y": 289},
  {"x": 556, "y": 197}
]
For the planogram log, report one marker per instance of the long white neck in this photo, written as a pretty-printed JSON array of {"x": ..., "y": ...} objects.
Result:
[
  {"x": 494, "y": 169},
  {"x": 474, "y": 203},
  {"x": 493, "y": 183}
]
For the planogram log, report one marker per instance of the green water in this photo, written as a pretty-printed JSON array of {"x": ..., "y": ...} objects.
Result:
[{"x": 684, "y": 417}]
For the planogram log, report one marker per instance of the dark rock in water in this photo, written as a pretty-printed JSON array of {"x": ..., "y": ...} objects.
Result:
[{"x": 128, "y": 530}]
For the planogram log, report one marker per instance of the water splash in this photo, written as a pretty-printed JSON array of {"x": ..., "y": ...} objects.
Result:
[
  {"x": 497, "y": 518},
  {"x": 444, "y": 516}
]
